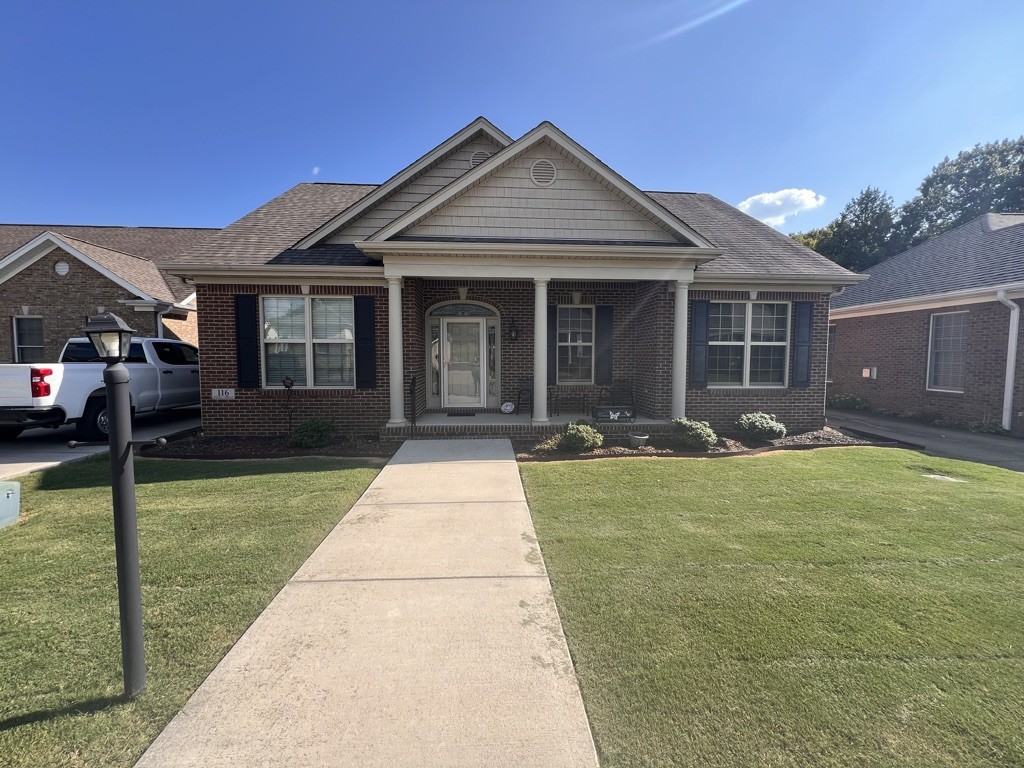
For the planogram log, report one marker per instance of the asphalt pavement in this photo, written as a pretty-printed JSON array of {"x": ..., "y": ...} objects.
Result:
[
  {"x": 997, "y": 450},
  {"x": 42, "y": 448}
]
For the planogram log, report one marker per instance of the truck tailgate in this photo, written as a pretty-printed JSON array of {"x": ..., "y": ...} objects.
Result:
[{"x": 15, "y": 388}]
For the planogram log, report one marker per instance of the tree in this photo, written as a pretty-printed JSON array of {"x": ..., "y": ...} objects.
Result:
[
  {"x": 988, "y": 178},
  {"x": 860, "y": 237}
]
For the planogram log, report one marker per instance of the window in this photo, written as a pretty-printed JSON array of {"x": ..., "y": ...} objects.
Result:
[
  {"x": 28, "y": 340},
  {"x": 575, "y": 345},
  {"x": 189, "y": 354},
  {"x": 307, "y": 338},
  {"x": 168, "y": 354},
  {"x": 946, "y": 350},
  {"x": 830, "y": 356},
  {"x": 748, "y": 344}
]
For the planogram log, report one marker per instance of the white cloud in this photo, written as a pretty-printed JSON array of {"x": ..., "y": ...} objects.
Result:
[
  {"x": 774, "y": 208},
  {"x": 316, "y": 170}
]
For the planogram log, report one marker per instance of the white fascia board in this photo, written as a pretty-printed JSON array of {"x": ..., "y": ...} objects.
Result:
[
  {"x": 484, "y": 268},
  {"x": 39, "y": 246},
  {"x": 402, "y": 177},
  {"x": 984, "y": 295},
  {"x": 527, "y": 250},
  {"x": 543, "y": 131},
  {"x": 773, "y": 282},
  {"x": 280, "y": 274}
]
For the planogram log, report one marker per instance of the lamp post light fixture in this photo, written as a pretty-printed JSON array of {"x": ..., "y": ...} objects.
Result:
[
  {"x": 288, "y": 382},
  {"x": 112, "y": 337}
]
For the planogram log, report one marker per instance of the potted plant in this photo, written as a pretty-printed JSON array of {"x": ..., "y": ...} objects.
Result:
[{"x": 638, "y": 439}]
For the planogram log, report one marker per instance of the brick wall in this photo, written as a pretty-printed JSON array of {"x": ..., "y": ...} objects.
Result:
[
  {"x": 798, "y": 409},
  {"x": 897, "y": 345},
  {"x": 185, "y": 328},
  {"x": 643, "y": 322},
  {"x": 63, "y": 302},
  {"x": 262, "y": 411}
]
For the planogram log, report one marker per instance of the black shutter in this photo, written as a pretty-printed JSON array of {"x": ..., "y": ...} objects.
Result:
[
  {"x": 552, "y": 345},
  {"x": 700, "y": 310},
  {"x": 247, "y": 341},
  {"x": 366, "y": 343},
  {"x": 603, "y": 345},
  {"x": 802, "y": 311}
]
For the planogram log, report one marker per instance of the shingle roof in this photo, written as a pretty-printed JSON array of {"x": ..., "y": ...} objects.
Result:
[
  {"x": 750, "y": 246},
  {"x": 266, "y": 235},
  {"x": 142, "y": 273},
  {"x": 276, "y": 226},
  {"x": 988, "y": 250},
  {"x": 159, "y": 245}
]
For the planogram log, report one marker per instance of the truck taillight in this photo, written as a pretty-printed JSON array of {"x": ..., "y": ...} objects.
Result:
[{"x": 40, "y": 386}]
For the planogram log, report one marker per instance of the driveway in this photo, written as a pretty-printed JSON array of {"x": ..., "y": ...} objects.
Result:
[
  {"x": 41, "y": 448},
  {"x": 999, "y": 451}
]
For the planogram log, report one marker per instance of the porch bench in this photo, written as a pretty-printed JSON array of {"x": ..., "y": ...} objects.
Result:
[
  {"x": 615, "y": 403},
  {"x": 557, "y": 396}
]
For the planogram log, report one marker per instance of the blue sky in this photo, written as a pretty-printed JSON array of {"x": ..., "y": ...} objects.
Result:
[{"x": 192, "y": 114}]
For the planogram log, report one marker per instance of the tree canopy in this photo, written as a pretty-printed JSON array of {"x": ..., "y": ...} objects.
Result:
[{"x": 988, "y": 178}]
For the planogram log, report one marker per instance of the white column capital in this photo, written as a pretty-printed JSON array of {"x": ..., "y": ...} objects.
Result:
[
  {"x": 541, "y": 280},
  {"x": 395, "y": 281}
]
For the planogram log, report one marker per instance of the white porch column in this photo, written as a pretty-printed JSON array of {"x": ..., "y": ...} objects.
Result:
[
  {"x": 679, "y": 351},
  {"x": 540, "y": 350},
  {"x": 396, "y": 375}
]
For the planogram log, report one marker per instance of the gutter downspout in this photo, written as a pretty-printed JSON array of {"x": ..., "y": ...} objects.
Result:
[
  {"x": 1011, "y": 358},
  {"x": 160, "y": 321}
]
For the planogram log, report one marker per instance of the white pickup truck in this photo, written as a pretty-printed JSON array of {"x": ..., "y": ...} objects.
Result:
[{"x": 164, "y": 375}]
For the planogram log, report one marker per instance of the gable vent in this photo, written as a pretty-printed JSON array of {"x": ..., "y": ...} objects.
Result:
[
  {"x": 478, "y": 157},
  {"x": 542, "y": 173}
]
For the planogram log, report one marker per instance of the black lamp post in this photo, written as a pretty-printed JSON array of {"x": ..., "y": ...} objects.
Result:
[{"x": 112, "y": 337}]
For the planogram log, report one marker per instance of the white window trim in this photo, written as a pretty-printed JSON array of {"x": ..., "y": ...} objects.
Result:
[
  {"x": 928, "y": 367},
  {"x": 308, "y": 341},
  {"x": 746, "y": 344},
  {"x": 832, "y": 329},
  {"x": 14, "y": 336},
  {"x": 592, "y": 344}
]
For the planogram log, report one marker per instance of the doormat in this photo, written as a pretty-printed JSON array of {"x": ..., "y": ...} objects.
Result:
[{"x": 460, "y": 413}]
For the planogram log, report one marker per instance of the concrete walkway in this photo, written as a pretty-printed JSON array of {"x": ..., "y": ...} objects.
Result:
[
  {"x": 422, "y": 632},
  {"x": 997, "y": 450}
]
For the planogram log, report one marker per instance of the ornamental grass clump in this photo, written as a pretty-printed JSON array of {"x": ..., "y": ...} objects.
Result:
[
  {"x": 579, "y": 438},
  {"x": 315, "y": 433},
  {"x": 763, "y": 426},
  {"x": 693, "y": 435}
]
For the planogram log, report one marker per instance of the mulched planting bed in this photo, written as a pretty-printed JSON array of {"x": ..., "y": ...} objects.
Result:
[
  {"x": 661, "y": 445},
  {"x": 262, "y": 448}
]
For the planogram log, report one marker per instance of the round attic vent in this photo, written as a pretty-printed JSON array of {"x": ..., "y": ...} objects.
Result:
[
  {"x": 478, "y": 157},
  {"x": 62, "y": 268},
  {"x": 542, "y": 173}
]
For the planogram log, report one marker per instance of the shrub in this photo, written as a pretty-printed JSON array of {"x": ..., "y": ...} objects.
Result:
[
  {"x": 315, "y": 433},
  {"x": 762, "y": 425},
  {"x": 847, "y": 402},
  {"x": 694, "y": 435},
  {"x": 580, "y": 437}
]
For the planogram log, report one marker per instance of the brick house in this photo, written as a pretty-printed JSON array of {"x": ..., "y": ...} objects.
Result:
[
  {"x": 53, "y": 276},
  {"x": 496, "y": 271},
  {"x": 935, "y": 331}
]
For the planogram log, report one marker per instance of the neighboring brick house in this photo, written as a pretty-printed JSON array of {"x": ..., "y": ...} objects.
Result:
[
  {"x": 53, "y": 276},
  {"x": 935, "y": 331},
  {"x": 495, "y": 271}
]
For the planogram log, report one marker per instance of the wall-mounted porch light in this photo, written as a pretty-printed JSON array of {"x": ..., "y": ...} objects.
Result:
[{"x": 513, "y": 330}]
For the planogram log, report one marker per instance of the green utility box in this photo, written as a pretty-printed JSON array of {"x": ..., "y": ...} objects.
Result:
[{"x": 10, "y": 503}]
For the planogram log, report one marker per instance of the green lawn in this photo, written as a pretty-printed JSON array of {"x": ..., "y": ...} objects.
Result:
[
  {"x": 218, "y": 540},
  {"x": 825, "y": 608}
]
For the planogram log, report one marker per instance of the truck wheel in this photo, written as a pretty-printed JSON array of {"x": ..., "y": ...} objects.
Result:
[
  {"x": 95, "y": 422},
  {"x": 9, "y": 433}
]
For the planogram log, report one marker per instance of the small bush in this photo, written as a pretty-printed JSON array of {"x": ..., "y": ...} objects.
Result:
[
  {"x": 548, "y": 446},
  {"x": 762, "y": 425},
  {"x": 315, "y": 433},
  {"x": 580, "y": 437},
  {"x": 694, "y": 435},
  {"x": 847, "y": 402}
]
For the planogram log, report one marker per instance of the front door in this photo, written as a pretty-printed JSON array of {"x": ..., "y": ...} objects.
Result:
[{"x": 463, "y": 382}]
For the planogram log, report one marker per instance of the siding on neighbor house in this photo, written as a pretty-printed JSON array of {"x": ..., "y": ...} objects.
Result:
[
  {"x": 897, "y": 345},
  {"x": 509, "y": 205},
  {"x": 63, "y": 302},
  {"x": 418, "y": 190}
]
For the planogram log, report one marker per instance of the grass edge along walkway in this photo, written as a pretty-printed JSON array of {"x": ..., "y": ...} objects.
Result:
[
  {"x": 826, "y": 608},
  {"x": 218, "y": 541}
]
